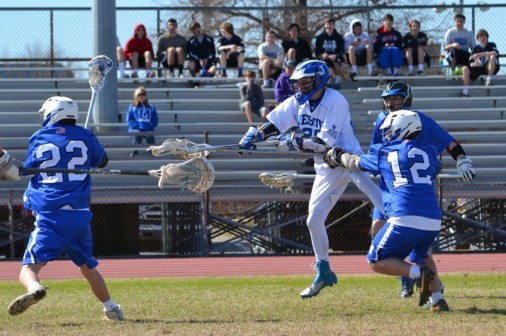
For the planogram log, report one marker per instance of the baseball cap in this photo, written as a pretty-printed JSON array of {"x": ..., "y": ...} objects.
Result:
[{"x": 290, "y": 63}]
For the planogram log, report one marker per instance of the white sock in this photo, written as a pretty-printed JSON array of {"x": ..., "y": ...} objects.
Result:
[
  {"x": 267, "y": 82},
  {"x": 420, "y": 67},
  {"x": 109, "y": 305},
  {"x": 435, "y": 297},
  {"x": 354, "y": 69},
  {"x": 414, "y": 272},
  {"x": 389, "y": 71},
  {"x": 410, "y": 68},
  {"x": 337, "y": 80},
  {"x": 396, "y": 71},
  {"x": 369, "y": 68},
  {"x": 489, "y": 78},
  {"x": 121, "y": 68},
  {"x": 465, "y": 91},
  {"x": 34, "y": 286}
]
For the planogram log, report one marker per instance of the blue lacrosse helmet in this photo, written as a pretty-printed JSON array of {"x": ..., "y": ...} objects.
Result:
[
  {"x": 316, "y": 69},
  {"x": 397, "y": 89}
]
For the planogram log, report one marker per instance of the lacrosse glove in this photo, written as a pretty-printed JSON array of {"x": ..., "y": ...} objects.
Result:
[
  {"x": 8, "y": 171},
  {"x": 290, "y": 141},
  {"x": 333, "y": 157},
  {"x": 250, "y": 137},
  {"x": 465, "y": 168}
]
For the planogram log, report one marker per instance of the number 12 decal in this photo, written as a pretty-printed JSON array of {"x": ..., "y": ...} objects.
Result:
[{"x": 393, "y": 159}]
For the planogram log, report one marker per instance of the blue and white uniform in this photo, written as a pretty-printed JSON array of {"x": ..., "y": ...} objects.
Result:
[
  {"x": 328, "y": 119},
  {"x": 408, "y": 169},
  {"x": 60, "y": 202}
]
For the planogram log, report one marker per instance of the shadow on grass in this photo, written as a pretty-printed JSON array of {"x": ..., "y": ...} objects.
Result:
[
  {"x": 474, "y": 310},
  {"x": 143, "y": 321}
]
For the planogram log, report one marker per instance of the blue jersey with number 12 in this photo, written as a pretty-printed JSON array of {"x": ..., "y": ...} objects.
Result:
[
  {"x": 61, "y": 146},
  {"x": 407, "y": 171}
]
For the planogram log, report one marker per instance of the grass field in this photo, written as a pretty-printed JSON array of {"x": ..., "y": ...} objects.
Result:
[{"x": 358, "y": 305}]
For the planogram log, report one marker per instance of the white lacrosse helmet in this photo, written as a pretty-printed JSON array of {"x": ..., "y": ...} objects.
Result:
[
  {"x": 400, "y": 125},
  {"x": 57, "y": 108}
]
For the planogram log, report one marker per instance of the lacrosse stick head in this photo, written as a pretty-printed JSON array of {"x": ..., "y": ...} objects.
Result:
[
  {"x": 178, "y": 147},
  {"x": 99, "y": 67},
  {"x": 282, "y": 181},
  {"x": 196, "y": 174}
]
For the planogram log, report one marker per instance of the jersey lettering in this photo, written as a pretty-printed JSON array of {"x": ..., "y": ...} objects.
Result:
[
  {"x": 78, "y": 148},
  {"x": 415, "y": 169}
]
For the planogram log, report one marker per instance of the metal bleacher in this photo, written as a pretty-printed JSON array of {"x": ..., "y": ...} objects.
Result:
[{"x": 210, "y": 112}]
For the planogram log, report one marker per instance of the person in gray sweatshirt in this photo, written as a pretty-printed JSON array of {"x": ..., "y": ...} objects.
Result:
[{"x": 358, "y": 46}]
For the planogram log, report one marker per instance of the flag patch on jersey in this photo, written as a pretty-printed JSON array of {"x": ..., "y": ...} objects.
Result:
[{"x": 60, "y": 130}]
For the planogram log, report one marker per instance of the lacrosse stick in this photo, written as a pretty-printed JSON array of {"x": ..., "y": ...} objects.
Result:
[
  {"x": 185, "y": 149},
  {"x": 282, "y": 180},
  {"x": 99, "y": 67},
  {"x": 196, "y": 174}
]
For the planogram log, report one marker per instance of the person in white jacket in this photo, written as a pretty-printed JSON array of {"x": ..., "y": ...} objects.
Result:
[{"x": 358, "y": 46}]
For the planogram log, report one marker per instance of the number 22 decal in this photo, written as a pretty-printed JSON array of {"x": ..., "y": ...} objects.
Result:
[{"x": 56, "y": 157}]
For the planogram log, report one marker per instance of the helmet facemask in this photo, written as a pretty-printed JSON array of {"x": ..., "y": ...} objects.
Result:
[{"x": 305, "y": 88}]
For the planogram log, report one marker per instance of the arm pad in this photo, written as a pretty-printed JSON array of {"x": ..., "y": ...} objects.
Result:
[
  {"x": 457, "y": 151},
  {"x": 269, "y": 129},
  {"x": 351, "y": 161}
]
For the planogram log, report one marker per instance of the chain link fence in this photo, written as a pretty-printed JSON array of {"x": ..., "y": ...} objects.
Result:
[
  {"x": 255, "y": 220},
  {"x": 65, "y": 36}
]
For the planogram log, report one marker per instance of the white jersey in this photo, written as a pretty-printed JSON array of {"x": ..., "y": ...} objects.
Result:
[{"x": 330, "y": 121}]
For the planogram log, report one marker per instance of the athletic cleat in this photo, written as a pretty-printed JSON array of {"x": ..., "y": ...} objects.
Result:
[
  {"x": 21, "y": 304},
  {"x": 440, "y": 306},
  {"x": 426, "y": 277},
  {"x": 407, "y": 287},
  {"x": 324, "y": 277},
  {"x": 352, "y": 76},
  {"x": 114, "y": 314}
]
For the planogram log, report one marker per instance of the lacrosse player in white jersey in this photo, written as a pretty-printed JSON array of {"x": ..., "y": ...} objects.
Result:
[
  {"x": 319, "y": 119},
  {"x": 60, "y": 203}
]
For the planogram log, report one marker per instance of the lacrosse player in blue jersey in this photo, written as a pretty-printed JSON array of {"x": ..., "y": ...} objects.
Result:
[
  {"x": 321, "y": 118},
  {"x": 399, "y": 95},
  {"x": 407, "y": 169},
  {"x": 60, "y": 203}
]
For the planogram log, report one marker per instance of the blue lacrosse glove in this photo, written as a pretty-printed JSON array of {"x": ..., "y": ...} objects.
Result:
[
  {"x": 250, "y": 137},
  {"x": 290, "y": 141}
]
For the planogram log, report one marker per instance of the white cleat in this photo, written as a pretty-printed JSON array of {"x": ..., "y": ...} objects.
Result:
[
  {"x": 114, "y": 314},
  {"x": 21, "y": 304}
]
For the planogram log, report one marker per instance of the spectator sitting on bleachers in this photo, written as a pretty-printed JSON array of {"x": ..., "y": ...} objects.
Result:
[
  {"x": 329, "y": 48},
  {"x": 484, "y": 61},
  {"x": 120, "y": 57},
  {"x": 458, "y": 42},
  {"x": 388, "y": 46},
  {"x": 283, "y": 88},
  {"x": 252, "y": 98},
  {"x": 296, "y": 48},
  {"x": 231, "y": 50},
  {"x": 358, "y": 46},
  {"x": 172, "y": 49},
  {"x": 270, "y": 58},
  {"x": 414, "y": 44},
  {"x": 201, "y": 52},
  {"x": 139, "y": 51},
  {"x": 141, "y": 117}
]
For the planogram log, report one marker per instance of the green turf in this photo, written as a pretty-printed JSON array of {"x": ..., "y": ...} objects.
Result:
[{"x": 358, "y": 305}]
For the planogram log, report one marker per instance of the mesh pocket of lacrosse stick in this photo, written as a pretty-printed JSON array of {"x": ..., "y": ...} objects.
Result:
[
  {"x": 280, "y": 181},
  {"x": 196, "y": 174},
  {"x": 178, "y": 147},
  {"x": 99, "y": 67}
]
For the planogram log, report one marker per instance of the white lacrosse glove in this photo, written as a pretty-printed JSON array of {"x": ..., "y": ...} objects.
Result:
[
  {"x": 8, "y": 171},
  {"x": 250, "y": 137},
  {"x": 315, "y": 145},
  {"x": 290, "y": 142},
  {"x": 465, "y": 168}
]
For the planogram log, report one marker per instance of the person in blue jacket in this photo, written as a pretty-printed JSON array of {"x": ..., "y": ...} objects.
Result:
[{"x": 141, "y": 117}]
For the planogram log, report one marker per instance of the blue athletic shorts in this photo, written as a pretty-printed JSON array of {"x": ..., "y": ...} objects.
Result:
[
  {"x": 394, "y": 241},
  {"x": 61, "y": 231}
]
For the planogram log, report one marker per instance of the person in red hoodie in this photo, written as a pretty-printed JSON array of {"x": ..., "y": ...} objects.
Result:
[
  {"x": 139, "y": 51},
  {"x": 388, "y": 46}
]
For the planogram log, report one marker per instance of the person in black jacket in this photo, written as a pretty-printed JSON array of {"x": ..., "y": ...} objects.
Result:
[
  {"x": 201, "y": 52},
  {"x": 330, "y": 49},
  {"x": 296, "y": 48}
]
